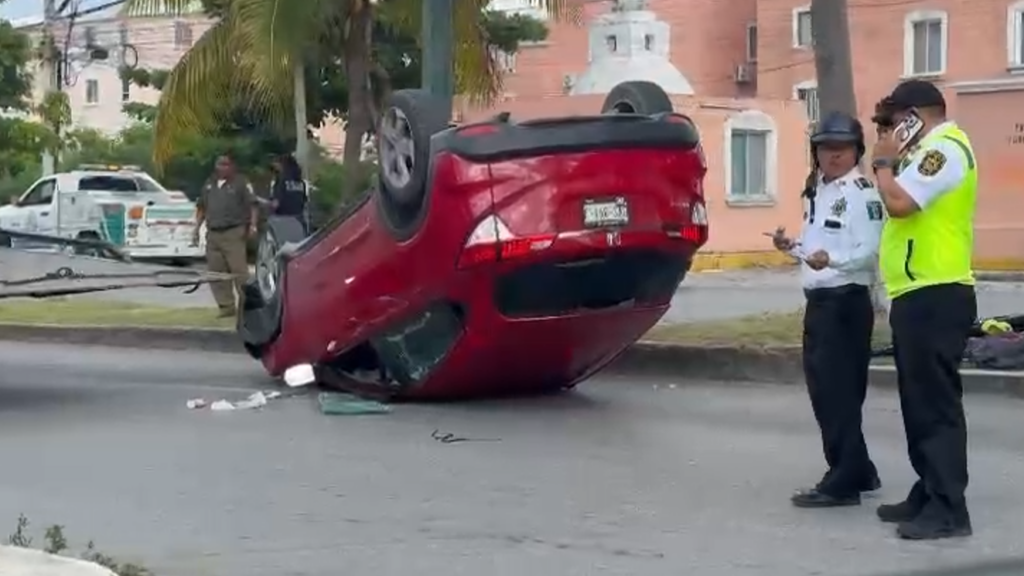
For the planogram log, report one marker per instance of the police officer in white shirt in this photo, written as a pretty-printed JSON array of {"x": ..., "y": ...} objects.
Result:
[{"x": 838, "y": 247}]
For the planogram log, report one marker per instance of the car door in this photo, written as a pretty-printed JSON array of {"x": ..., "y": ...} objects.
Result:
[{"x": 36, "y": 206}]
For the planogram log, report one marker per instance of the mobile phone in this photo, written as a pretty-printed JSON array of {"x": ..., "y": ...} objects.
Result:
[{"x": 908, "y": 129}]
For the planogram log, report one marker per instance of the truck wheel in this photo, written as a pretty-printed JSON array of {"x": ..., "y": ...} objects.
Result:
[
  {"x": 260, "y": 320},
  {"x": 410, "y": 118},
  {"x": 88, "y": 250},
  {"x": 637, "y": 97}
]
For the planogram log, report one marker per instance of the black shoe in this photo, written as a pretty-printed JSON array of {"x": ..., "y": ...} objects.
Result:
[
  {"x": 935, "y": 524},
  {"x": 815, "y": 499},
  {"x": 906, "y": 510}
]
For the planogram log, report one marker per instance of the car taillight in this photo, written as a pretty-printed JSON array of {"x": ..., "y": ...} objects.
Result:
[{"x": 492, "y": 241}]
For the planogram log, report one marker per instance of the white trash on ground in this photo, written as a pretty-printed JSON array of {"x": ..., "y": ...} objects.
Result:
[{"x": 254, "y": 401}]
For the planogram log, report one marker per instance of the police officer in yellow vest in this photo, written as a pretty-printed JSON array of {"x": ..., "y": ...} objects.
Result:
[{"x": 925, "y": 261}]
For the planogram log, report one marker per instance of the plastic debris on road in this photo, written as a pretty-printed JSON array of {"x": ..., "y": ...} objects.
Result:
[
  {"x": 337, "y": 404},
  {"x": 254, "y": 401}
]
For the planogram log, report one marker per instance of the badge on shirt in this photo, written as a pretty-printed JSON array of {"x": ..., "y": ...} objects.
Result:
[
  {"x": 863, "y": 183},
  {"x": 875, "y": 211},
  {"x": 839, "y": 207},
  {"x": 931, "y": 163}
]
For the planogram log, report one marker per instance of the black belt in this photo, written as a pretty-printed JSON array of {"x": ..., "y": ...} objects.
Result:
[
  {"x": 223, "y": 228},
  {"x": 834, "y": 292}
]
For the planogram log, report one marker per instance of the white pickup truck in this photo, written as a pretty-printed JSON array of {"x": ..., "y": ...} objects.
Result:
[{"x": 122, "y": 205}]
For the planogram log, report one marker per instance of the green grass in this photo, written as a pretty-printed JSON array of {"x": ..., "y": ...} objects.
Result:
[
  {"x": 757, "y": 331},
  {"x": 85, "y": 312}
]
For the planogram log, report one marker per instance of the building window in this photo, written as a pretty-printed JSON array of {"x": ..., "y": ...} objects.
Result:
[
  {"x": 126, "y": 89},
  {"x": 1015, "y": 35},
  {"x": 182, "y": 35},
  {"x": 924, "y": 45},
  {"x": 802, "y": 37},
  {"x": 122, "y": 34},
  {"x": 750, "y": 158},
  {"x": 90, "y": 36},
  {"x": 92, "y": 92},
  {"x": 751, "y": 42},
  {"x": 613, "y": 43},
  {"x": 649, "y": 42},
  {"x": 505, "y": 61},
  {"x": 807, "y": 93}
]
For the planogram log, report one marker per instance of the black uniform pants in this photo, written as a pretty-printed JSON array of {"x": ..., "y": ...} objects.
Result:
[
  {"x": 930, "y": 329},
  {"x": 838, "y": 323}
]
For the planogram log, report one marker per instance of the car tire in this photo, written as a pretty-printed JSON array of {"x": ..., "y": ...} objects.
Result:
[
  {"x": 88, "y": 250},
  {"x": 410, "y": 119},
  {"x": 637, "y": 97},
  {"x": 263, "y": 309}
]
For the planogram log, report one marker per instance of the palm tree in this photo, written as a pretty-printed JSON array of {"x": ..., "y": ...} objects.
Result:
[{"x": 258, "y": 50}]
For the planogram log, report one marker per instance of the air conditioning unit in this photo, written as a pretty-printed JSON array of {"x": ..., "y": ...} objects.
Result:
[{"x": 744, "y": 73}]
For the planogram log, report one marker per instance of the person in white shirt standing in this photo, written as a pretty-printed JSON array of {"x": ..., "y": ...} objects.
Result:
[{"x": 838, "y": 249}]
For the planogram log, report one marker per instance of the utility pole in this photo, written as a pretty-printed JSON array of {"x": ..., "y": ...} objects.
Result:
[
  {"x": 830, "y": 30},
  {"x": 438, "y": 53},
  {"x": 51, "y": 64}
]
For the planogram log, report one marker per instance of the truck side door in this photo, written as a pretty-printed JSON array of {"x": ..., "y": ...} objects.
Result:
[{"x": 36, "y": 207}]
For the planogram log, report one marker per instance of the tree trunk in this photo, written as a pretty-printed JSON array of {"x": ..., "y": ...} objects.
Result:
[
  {"x": 301, "y": 123},
  {"x": 360, "y": 97}
]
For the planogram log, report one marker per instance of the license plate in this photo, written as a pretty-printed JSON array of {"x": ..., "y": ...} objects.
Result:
[{"x": 605, "y": 213}]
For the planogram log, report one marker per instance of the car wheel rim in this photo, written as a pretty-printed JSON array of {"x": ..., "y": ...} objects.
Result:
[
  {"x": 267, "y": 268},
  {"x": 623, "y": 107},
  {"x": 396, "y": 153}
]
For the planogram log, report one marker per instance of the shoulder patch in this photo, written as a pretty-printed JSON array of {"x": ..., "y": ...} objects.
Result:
[
  {"x": 875, "y": 210},
  {"x": 863, "y": 183},
  {"x": 931, "y": 163},
  {"x": 839, "y": 207}
]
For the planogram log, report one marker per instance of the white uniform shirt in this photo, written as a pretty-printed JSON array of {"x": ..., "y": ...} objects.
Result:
[
  {"x": 844, "y": 219},
  {"x": 946, "y": 168}
]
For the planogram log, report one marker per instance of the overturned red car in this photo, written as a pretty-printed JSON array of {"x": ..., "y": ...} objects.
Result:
[{"x": 492, "y": 258}]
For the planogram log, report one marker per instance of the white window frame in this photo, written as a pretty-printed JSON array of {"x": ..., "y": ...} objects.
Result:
[
  {"x": 752, "y": 121},
  {"x": 751, "y": 42},
  {"x": 917, "y": 17},
  {"x": 798, "y": 13},
  {"x": 804, "y": 86},
  {"x": 92, "y": 82},
  {"x": 1015, "y": 36}
]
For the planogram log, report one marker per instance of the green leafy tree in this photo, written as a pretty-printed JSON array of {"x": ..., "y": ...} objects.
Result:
[{"x": 261, "y": 54}]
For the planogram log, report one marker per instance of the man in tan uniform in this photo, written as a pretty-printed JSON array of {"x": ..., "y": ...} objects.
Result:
[{"x": 228, "y": 205}]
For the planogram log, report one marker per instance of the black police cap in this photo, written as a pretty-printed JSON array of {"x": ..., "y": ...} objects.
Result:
[
  {"x": 915, "y": 94},
  {"x": 838, "y": 127}
]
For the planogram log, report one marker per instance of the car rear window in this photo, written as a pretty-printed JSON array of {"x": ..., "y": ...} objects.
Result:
[{"x": 118, "y": 184}]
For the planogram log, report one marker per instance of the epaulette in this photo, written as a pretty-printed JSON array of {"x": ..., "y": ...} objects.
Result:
[{"x": 863, "y": 183}]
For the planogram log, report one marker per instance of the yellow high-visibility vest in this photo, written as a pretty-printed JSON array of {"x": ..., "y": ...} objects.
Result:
[{"x": 934, "y": 245}]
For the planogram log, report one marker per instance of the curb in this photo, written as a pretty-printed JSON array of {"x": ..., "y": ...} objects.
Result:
[{"x": 645, "y": 358}]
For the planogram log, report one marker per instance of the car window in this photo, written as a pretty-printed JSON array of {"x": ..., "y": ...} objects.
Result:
[
  {"x": 40, "y": 194},
  {"x": 108, "y": 184},
  {"x": 147, "y": 184}
]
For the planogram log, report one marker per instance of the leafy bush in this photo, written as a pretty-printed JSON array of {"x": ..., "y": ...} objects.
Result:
[{"x": 56, "y": 543}]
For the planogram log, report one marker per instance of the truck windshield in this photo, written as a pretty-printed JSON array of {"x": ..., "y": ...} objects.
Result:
[{"x": 133, "y": 183}]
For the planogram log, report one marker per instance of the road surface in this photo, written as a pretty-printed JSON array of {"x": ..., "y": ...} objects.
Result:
[{"x": 621, "y": 478}]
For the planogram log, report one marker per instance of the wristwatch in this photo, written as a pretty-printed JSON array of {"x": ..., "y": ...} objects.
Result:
[{"x": 879, "y": 163}]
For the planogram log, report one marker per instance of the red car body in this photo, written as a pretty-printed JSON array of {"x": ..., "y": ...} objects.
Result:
[{"x": 523, "y": 295}]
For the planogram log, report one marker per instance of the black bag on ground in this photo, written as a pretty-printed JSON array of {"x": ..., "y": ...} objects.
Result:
[{"x": 997, "y": 351}]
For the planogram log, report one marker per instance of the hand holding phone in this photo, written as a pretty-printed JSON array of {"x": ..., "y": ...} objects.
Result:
[{"x": 907, "y": 131}]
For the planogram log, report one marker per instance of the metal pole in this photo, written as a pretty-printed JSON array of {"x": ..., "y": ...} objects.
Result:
[
  {"x": 833, "y": 65},
  {"x": 50, "y": 67},
  {"x": 438, "y": 49}
]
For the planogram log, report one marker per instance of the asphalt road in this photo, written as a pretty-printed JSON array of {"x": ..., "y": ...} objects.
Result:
[{"x": 622, "y": 477}]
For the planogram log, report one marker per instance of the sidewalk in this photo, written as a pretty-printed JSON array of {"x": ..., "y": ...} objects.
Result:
[{"x": 25, "y": 562}]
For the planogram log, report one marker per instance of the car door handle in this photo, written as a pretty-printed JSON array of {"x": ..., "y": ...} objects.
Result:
[{"x": 44, "y": 213}]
